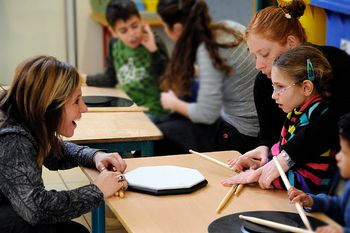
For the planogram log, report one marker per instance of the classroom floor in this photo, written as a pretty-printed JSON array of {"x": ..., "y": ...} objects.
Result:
[{"x": 73, "y": 178}]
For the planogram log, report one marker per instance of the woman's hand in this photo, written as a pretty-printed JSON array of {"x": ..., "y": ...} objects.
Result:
[
  {"x": 251, "y": 160},
  {"x": 247, "y": 177},
  {"x": 148, "y": 39},
  {"x": 109, "y": 161},
  {"x": 263, "y": 175},
  {"x": 298, "y": 196},
  {"x": 168, "y": 100},
  {"x": 110, "y": 182},
  {"x": 269, "y": 173}
]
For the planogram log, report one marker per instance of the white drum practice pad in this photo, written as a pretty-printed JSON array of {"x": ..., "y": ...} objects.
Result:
[{"x": 165, "y": 180}]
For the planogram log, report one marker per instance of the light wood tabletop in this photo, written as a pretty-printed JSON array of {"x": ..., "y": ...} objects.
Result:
[
  {"x": 107, "y": 127},
  {"x": 108, "y": 91},
  {"x": 104, "y": 127},
  {"x": 121, "y": 130},
  {"x": 191, "y": 212}
]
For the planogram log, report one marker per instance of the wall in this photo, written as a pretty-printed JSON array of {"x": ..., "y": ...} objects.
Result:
[
  {"x": 237, "y": 10},
  {"x": 29, "y": 28},
  {"x": 89, "y": 40},
  {"x": 33, "y": 27}
]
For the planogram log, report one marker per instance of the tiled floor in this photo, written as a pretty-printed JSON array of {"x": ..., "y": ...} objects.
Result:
[{"x": 73, "y": 178}]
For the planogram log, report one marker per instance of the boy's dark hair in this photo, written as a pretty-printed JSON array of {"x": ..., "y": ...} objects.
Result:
[
  {"x": 344, "y": 127},
  {"x": 120, "y": 10}
]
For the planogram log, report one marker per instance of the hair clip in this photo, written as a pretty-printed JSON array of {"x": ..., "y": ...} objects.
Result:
[
  {"x": 310, "y": 70},
  {"x": 286, "y": 14}
]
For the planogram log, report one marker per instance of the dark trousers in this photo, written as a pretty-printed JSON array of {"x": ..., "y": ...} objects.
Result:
[
  {"x": 180, "y": 135},
  {"x": 11, "y": 222}
]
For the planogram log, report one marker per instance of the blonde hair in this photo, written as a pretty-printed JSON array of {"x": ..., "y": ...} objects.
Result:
[
  {"x": 276, "y": 23},
  {"x": 41, "y": 87}
]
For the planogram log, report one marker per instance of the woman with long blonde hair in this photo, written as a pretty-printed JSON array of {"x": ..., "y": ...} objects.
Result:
[{"x": 42, "y": 104}]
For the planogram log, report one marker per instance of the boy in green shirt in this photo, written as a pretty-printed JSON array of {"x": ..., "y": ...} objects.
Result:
[{"x": 136, "y": 59}]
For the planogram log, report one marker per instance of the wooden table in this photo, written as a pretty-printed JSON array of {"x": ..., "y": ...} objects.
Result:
[
  {"x": 190, "y": 212},
  {"x": 115, "y": 131}
]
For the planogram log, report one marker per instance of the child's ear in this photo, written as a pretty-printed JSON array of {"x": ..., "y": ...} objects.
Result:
[
  {"x": 177, "y": 29},
  {"x": 110, "y": 29},
  {"x": 308, "y": 87}
]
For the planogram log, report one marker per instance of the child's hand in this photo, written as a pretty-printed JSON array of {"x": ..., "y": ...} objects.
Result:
[
  {"x": 329, "y": 229},
  {"x": 298, "y": 196},
  {"x": 148, "y": 40},
  {"x": 168, "y": 100}
]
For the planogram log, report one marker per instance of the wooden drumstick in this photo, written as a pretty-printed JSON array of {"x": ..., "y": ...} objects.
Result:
[
  {"x": 235, "y": 189},
  {"x": 275, "y": 225},
  {"x": 226, "y": 198},
  {"x": 288, "y": 186},
  {"x": 211, "y": 159},
  {"x": 239, "y": 189}
]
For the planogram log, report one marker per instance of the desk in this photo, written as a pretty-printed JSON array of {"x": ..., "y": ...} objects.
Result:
[
  {"x": 115, "y": 131},
  {"x": 109, "y": 91},
  {"x": 190, "y": 212}
]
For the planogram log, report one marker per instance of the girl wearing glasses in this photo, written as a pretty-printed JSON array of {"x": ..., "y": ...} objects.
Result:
[
  {"x": 266, "y": 41},
  {"x": 301, "y": 80}
]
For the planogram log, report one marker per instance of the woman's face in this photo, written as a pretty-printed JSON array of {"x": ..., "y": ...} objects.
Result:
[
  {"x": 265, "y": 51},
  {"x": 73, "y": 109}
]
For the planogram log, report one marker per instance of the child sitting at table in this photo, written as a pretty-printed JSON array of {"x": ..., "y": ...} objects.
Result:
[
  {"x": 336, "y": 207},
  {"x": 136, "y": 59},
  {"x": 301, "y": 80}
]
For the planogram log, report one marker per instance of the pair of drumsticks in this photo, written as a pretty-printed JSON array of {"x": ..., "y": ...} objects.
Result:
[{"x": 235, "y": 189}]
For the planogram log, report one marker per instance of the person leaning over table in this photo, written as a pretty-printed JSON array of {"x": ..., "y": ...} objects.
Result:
[
  {"x": 42, "y": 105},
  {"x": 301, "y": 79},
  {"x": 223, "y": 116},
  {"x": 272, "y": 31}
]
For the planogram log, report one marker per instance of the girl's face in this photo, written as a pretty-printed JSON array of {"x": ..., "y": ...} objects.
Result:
[
  {"x": 286, "y": 92},
  {"x": 73, "y": 109},
  {"x": 265, "y": 51},
  {"x": 343, "y": 158}
]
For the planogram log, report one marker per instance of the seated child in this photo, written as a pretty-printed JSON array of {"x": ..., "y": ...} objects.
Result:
[
  {"x": 309, "y": 139},
  {"x": 136, "y": 59},
  {"x": 336, "y": 207}
]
